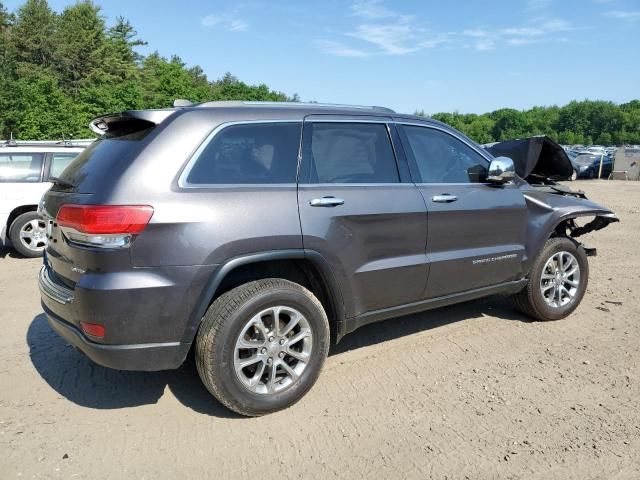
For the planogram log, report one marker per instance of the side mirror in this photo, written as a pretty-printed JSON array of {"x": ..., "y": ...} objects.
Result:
[{"x": 501, "y": 170}]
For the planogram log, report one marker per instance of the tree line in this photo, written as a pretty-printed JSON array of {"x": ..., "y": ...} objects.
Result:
[
  {"x": 579, "y": 122},
  {"x": 60, "y": 70}
]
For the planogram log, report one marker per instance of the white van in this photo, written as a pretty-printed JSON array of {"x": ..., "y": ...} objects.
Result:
[{"x": 25, "y": 172}]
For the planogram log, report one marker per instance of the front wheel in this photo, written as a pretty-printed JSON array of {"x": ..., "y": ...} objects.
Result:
[
  {"x": 261, "y": 346},
  {"x": 557, "y": 281}
]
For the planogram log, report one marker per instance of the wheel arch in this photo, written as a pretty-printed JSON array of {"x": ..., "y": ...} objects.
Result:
[
  {"x": 16, "y": 212},
  {"x": 305, "y": 267}
]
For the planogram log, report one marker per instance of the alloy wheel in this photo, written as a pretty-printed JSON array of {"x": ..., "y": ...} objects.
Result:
[
  {"x": 273, "y": 350},
  {"x": 560, "y": 279}
]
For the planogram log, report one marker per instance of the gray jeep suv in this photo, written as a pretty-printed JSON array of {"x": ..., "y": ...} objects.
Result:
[{"x": 260, "y": 233}]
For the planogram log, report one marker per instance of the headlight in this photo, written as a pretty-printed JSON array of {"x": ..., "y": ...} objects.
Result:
[{"x": 584, "y": 167}]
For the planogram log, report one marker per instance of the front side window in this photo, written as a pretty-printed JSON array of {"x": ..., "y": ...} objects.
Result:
[
  {"x": 60, "y": 161},
  {"x": 351, "y": 153},
  {"x": 442, "y": 158},
  {"x": 251, "y": 153},
  {"x": 20, "y": 167}
]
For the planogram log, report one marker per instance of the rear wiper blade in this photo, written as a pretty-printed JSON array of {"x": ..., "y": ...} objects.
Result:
[{"x": 61, "y": 182}]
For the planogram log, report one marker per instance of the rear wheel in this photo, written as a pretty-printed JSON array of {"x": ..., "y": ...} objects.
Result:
[
  {"x": 28, "y": 234},
  {"x": 557, "y": 281},
  {"x": 261, "y": 346}
]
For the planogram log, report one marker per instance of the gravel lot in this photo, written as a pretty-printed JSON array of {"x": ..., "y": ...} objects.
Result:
[{"x": 470, "y": 391}]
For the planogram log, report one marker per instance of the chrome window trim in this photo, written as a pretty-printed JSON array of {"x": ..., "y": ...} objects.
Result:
[
  {"x": 182, "y": 179},
  {"x": 342, "y": 185},
  {"x": 184, "y": 184}
]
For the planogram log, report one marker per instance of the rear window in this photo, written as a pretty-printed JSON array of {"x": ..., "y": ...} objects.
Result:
[
  {"x": 100, "y": 161},
  {"x": 252, "y": 153},
  {"x": 20, "y": 167}
]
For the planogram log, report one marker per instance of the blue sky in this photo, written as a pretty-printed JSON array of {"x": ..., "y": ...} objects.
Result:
[{"x": 470, "y": 56}]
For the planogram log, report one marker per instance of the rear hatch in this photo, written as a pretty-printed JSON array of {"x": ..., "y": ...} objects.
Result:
[{"x": 89, "y": 180}]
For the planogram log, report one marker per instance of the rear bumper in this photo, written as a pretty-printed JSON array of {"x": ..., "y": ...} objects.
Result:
[
  {"x": 142, "y": 357},
  {"x": 145, "y": 313}
]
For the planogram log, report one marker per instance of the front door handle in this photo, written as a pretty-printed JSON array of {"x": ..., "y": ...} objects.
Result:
[
  {"x": 444, "y": 198},
  {"x": 326, "y": 202}
]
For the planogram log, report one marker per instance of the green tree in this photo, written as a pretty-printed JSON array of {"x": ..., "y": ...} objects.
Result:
[{"x": 31, "y": 35}]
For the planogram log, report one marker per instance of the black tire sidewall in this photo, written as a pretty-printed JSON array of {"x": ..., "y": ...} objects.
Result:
[
  {"x": 224, "y": 349},
  {"x": 14, "y": 234},
  {"x": 553, "y": 247}
]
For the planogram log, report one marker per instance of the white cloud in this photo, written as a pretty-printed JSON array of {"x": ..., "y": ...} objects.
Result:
[
  {"x": 484, "y": 44},
  {"x": 339, "y": 49},
  {"x": 372, "y": 9},
  {"x": 387, "y": 32},
  {"x": 227, "y": 21},
  {"x": 393, "y": 39},
  {"x": 475, "y": 32},
  {"x": 624, "y": 14}
]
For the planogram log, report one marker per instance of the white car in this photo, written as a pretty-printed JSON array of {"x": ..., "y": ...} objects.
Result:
[{"x": 25, "y": 172}]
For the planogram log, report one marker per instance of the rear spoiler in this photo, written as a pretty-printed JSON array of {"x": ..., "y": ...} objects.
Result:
[{"x": 130, "y": 120}]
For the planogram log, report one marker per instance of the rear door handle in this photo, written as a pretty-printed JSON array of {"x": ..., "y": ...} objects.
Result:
[
  {"x": 326, "y": 202},
  {"x": 444, "y": 198}
]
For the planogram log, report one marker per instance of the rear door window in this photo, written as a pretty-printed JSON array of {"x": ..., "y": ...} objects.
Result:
[
  {"x": 251, "y": 153},
  {"x": 351, "y": 153},
  {"x": 20, "y": 167}
]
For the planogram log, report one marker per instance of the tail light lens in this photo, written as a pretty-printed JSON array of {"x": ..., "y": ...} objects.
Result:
[{"x": 103, "y": 225}]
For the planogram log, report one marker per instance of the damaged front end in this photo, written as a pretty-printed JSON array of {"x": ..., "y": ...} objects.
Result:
[
  {"x": 554, "y": 211},
  {"x": 552, "y": 208}
]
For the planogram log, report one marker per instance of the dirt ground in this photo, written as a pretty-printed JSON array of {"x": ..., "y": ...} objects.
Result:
[{"x": 470, "y": 391}]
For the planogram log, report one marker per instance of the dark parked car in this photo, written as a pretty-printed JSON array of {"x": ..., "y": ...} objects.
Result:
[
  {"x": 587, "y": 165},
  {"x": 260, "y": 233}
]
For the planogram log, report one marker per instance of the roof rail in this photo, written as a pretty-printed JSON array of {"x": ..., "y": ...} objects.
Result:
[
  {"x": 234, "y": 103},
  {"x": 47, "y": 143}
]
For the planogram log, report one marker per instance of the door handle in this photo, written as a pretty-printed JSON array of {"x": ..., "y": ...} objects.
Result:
[
  {"x": 444, "y": 198},
  {"x": 326, "y": 202}
]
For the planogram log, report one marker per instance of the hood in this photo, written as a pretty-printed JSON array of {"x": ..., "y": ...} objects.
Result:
[{"x": 535, "y": 158}]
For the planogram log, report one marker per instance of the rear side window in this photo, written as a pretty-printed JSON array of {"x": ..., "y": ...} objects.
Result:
[
  {"x": 442, "y": 158},
  {"x": 351, "y": 153},
  {"x": 60, "y": 161},
  {"x": 20, "y": 167},
  {"x": 252, "y": 153}
]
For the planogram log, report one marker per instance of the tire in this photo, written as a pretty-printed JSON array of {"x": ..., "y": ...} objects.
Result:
[
  {"x": 28, "y": 234},
  {"x": 592, "y": 174},
  {"x": 240, "y": 314},
  {"x": 533, "y": 302}
]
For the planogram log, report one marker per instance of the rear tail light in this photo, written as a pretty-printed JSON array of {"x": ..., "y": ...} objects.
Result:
[
  {"x": 107, "y": 226},
  {"x": 93, "y": 329}
]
